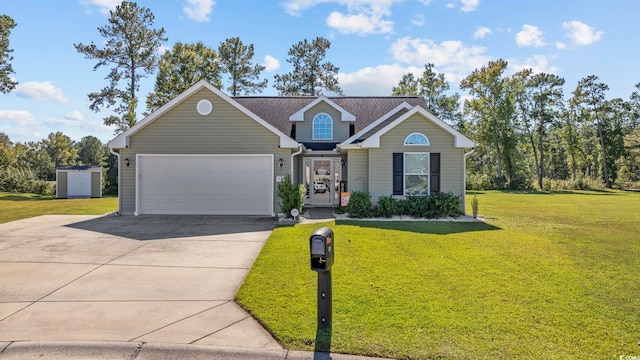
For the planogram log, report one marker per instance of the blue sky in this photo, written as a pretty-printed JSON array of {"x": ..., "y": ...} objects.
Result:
[{"x": 373, "y": 42}]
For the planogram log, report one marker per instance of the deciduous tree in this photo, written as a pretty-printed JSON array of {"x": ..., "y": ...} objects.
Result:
[
  {"x": 592, "y": 94},
  {"x": 91, "y": 151},
  {"x": 180, "y": 68},
  {"x": 433, "y": 87},
  {"x": 131, "y": 46},
  {"x": 492, "y": 111},
  {"x": 311, "y": 74},
  {"x": 236, "y": 60}
]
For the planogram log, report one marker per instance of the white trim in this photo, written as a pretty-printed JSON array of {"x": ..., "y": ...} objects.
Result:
[
  {"x": 313, "y": 128},
  {"x": 138, "y": 174},
  {"x": 459, "y": 140},
  {"x": 122, "y": 140},
  {"x": 416, "y": 133},
  {"x": 299, "y": 116},
  {"x": 404, "y": 105},
  {"x": 404, "y": 172},
  {"x": 204, "y": 107}
]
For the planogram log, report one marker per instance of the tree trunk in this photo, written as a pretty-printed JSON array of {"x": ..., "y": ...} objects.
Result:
[
  {"x": 605, "y": 168},
  {"x": 541, "y": 164}
]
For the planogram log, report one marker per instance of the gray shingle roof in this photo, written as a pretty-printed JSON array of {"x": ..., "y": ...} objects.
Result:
[{"x": 276, "y": 110}]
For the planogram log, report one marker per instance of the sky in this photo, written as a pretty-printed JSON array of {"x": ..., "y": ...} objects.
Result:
[{"x": 373, "y": 42}]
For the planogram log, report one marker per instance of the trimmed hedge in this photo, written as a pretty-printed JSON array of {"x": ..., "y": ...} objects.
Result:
[{"x": 436, "y": 205}]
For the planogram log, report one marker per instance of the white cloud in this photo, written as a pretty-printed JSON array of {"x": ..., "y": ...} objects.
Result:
[
  {"x": 40, "y": 91},
  {"x": 75, "y": 115},
  {"x": 453, "y": 58},
  {"x": 530, "y": 36},
  {"x": 163, "y": 49},
  {"x": 580, "y": 33},
  {"x": 104, "y": 6},
  {"x": 418, "y": 20},
  {"x": 469, "y": 5},
  {"x": 198, "y": 10},
  {"x": 538, "y": 64},
  {"x": 561, "y": 45},
  {"x": 481, "y": 32},
  {"x": 362, "y": 16},
  {"x": 359, "y": 23},
  {"x": 271, "y": 63},
  {"x": 19, "y": 118},
  {"x": 62, "y": 122},
  {"x": 374, "y": 81}
]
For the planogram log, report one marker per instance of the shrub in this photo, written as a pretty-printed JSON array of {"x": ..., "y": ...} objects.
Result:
[
  {"x": 478, "y": 182},
  {"x": 24, "y": 181},
  {"x": 474, "y": 206},
  {"x": 416, "y": 206},
  {"x": 359, "y": 205},
  {"x": 387, "y": 207},
  {"x": 444, "y": 205},
  {"x": 291, "y": 196}
]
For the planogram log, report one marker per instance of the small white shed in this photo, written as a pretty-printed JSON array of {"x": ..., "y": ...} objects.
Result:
[{"x": 78, "y": 181}]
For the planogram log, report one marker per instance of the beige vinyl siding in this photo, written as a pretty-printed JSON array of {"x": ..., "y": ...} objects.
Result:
[
  {"x": 304, "y": 129},
  {"x": 61, "y": 184},
  {"x": 358, "y": 170},
  {"x": 96, "y": 184},
  {"x": 440, "y": 141},
  {"x": 226, "y": 130}
]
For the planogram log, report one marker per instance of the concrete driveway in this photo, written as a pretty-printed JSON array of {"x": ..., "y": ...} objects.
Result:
[{"x": 158, "y": 279}]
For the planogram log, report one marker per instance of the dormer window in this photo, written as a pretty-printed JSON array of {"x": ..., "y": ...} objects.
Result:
[
  {"x": 322, "y": 127},
  {"x": 416, "y": 139}
]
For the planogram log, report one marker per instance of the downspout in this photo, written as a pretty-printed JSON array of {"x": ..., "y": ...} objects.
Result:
[
  {"x": 117, "y": 154},
  {"x": 464, "y": 179},
  {"x": 292, "y": 156}
]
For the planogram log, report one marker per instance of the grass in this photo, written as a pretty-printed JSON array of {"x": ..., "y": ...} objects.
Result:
[
  {"x": 549, "y": 275},
  {"x": 21, "y": 206}
]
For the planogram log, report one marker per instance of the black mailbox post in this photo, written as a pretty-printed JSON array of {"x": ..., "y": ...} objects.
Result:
[{"x": 321, "y": 247}]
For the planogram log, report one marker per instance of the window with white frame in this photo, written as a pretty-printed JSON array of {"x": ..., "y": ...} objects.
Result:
[
  {"x": 416, "y": 173},
  {"x": 416, "y": 139},
  {"x": 322, "y": 127}
]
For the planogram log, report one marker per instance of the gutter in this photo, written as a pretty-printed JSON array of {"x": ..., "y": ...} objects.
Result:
[
  {"x": 300, "y": 146},
  {"x": 464, "y": 179}
]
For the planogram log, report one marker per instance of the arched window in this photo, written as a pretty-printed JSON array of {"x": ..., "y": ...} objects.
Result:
[
  {"x": 416, "y": 139},
  {"x": 322, "y": 127}
]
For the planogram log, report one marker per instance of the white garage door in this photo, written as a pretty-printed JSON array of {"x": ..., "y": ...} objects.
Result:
[
  {"x": 205, "y": 184},
  {"x": 78, "y": 184}
]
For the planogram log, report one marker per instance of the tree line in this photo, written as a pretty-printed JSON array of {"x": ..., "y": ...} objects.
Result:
[{"x": 528, "y": 132}]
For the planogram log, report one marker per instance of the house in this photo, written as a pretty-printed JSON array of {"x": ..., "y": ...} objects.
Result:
[{"x": 205, "y": 152}]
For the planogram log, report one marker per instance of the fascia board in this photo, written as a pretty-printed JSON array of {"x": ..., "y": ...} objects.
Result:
[
  {"x": 122, "y": 140},
  {"x": 460, "y": 141},
  {"x": 299, "y": 115}
]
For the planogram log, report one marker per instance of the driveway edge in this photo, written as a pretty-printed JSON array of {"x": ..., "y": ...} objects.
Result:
[{"x": 107, "y": 350}]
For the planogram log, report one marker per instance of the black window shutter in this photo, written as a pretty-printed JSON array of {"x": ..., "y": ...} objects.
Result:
[
  {"x": 398, "y": 174},
  {"x": 434, "y": 171}
]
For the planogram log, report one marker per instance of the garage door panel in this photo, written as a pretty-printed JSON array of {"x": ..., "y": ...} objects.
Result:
[{"x": 212, "y": 184}]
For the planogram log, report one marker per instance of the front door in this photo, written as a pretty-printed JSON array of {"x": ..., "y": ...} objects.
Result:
[{"x": 322, "y": 177}]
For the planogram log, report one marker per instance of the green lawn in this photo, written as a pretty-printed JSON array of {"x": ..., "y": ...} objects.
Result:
[
  {"x": 548, "y": 276},
  {"x": 22, "y": 206}
]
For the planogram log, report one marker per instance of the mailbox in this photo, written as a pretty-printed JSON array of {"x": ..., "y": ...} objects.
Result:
[{"x": 321, "y": 248}]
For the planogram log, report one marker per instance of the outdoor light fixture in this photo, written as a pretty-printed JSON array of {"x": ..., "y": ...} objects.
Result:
[
  {"x": 127, "y": 162},
  {"x": 281, "y": 163}
]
